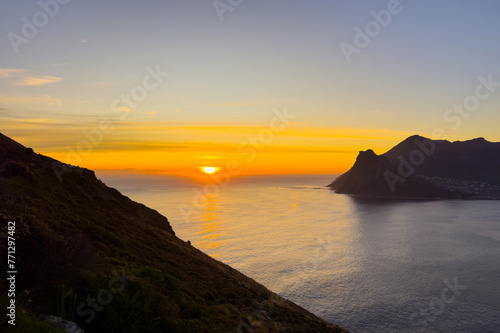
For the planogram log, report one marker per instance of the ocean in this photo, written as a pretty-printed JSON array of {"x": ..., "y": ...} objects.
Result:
[{"x": 365, "y": 265}]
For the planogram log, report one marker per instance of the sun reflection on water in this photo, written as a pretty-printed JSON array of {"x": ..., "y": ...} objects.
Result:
[{"x": 210, "y": 227}]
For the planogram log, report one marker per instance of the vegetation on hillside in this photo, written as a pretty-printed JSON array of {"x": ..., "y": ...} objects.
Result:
[{"x": 90, "y": 255}]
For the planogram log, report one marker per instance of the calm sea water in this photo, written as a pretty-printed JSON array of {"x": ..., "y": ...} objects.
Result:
[{"x": 368, "y": 266}]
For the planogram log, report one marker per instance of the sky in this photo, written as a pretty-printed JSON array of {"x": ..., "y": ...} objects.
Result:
[{"x": 259, "y": 87}]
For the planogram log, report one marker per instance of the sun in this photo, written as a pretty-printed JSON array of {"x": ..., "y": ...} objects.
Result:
[{"x": 209, "y": 170}]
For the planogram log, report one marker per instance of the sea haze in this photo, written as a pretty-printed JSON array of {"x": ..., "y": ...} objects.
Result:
[{"x": 366, "y": 265}]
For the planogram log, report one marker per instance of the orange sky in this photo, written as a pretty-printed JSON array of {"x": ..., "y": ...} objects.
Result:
[
  {"x": 181, "y": 149},
  {"x": 270, "y": 88}
]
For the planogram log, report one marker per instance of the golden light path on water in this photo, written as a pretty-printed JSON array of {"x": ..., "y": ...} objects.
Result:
[{"x": 210, "y": 225}]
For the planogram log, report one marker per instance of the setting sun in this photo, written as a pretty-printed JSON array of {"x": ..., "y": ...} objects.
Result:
[{"x": 209, "y": 170}]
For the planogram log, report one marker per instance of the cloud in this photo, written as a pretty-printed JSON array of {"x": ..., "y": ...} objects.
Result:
[
  {"x": 38, "y": 81},
  {"x": 300, "y": 132},
  {"x": 150, "y": 114},
  {"x": 7, "y": 72},
  {"x": 21, "y": 77},
  {"x": 238, "y": 103},
  {"x": 125, "y": 109},
  {"x": 23, "y": 100},
  {"x": 83, "y": 41}
]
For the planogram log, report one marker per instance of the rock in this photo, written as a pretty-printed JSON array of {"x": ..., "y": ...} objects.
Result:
[{"x": 422, "y": 168}]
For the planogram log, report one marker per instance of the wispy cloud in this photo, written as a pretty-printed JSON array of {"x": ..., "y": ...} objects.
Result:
[
  {"x": 38, "y": 81},
  {"x": 300, "y": 132},
  {"x": 24, "y": 77},
  {"x": 239, "y": 103},
  {"x": 60, "y": 117},
  {"x": 125, "y": 109},
  {"x": 23, "y": 100},
  {"x": 7, "y": 72}
]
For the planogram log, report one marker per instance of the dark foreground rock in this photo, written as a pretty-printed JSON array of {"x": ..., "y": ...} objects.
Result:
[{"x": 92, "y": 257}]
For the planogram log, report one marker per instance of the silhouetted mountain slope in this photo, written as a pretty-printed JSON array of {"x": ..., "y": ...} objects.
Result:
[
  {"x": 77, "y": 239},
  {"x": 422, "y": 168}
]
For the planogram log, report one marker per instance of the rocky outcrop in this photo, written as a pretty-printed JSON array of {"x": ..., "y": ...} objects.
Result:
[
  {"x": 368, "y": 168},
  {"x": 422, "y": 168}
]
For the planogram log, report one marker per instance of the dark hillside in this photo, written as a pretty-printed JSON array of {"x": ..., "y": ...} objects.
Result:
[{"x": 75, "y": 236}]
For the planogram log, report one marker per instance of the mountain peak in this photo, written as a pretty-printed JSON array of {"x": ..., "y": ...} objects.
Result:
[
  {"x": 421, "y": 167},
  {"x": 479, "y": 140}
]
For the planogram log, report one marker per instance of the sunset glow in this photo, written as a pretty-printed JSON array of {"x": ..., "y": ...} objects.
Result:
[
  {"x": 345, "y": 154},
  {"x": 195, "y": 87}
]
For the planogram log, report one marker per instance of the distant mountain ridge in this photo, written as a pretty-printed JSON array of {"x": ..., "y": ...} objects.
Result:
[
  {"x": 73, "y": 234},
  {"x": 419, "y": 167}
]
